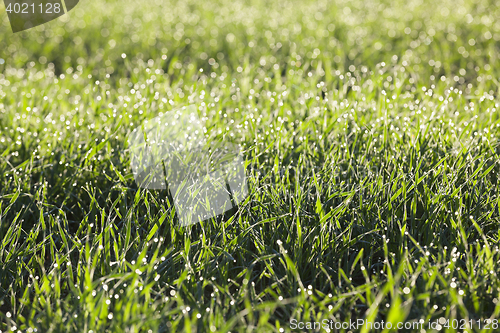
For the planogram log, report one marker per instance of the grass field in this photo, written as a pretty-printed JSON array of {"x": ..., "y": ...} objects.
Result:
[{"x": 370, "y": 132}]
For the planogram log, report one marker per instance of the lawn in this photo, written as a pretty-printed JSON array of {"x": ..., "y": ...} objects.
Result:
[{"x": 370, "y": 135}]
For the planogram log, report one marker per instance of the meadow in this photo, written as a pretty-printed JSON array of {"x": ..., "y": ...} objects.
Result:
[{"x": 370, "y": 132}]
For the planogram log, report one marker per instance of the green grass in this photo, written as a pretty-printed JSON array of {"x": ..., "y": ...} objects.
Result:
[{"x": 370, "y": 132}]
